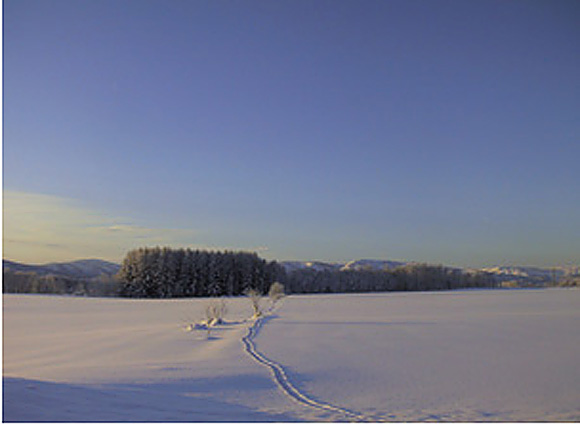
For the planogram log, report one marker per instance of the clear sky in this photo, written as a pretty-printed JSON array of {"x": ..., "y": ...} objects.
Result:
[{"x": 427, "y": 130}]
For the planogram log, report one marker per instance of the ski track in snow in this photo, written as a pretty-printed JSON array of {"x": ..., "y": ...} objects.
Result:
[{"x": 284, "y": 383}]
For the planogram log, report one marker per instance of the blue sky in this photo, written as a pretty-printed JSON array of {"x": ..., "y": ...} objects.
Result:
[{"x": 436, "y": 131}]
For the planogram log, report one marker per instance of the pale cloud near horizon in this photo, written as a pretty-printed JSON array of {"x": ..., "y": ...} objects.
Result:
[{"x": 42, "y": 228}]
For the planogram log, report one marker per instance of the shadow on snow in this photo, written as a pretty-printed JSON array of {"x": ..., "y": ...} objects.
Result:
[{"x": 26, "y": 400}]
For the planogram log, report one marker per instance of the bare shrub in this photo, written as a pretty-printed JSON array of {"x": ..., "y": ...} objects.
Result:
[
  {"x": 215, "y": 312},
  {"x": 276, "y": 292},
  {"x": 255, "y": 298}
]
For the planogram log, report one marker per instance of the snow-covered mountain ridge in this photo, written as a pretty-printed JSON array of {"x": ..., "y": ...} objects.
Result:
[
  {"x": 532, "y": 275},
  {"x": 313, "y": 265},
  {"x": 361, "y": 264},
  {"x": 85, "y": 269},
  {"x": 372, "y": 264}
]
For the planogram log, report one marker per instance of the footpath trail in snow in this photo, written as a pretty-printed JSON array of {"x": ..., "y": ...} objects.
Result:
[{"x": 284, "y": 383}]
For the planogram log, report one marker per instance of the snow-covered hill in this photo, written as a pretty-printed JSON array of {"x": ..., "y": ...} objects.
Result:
[
  {"x": 361, "y": 264},
  {"x": 313, "y": 265},
  {"x": 85, "y": 269},
  {"x": 532, "y": 275},
  {"x": 372, "y": 264},
  {"x": 522, "y": 275}
]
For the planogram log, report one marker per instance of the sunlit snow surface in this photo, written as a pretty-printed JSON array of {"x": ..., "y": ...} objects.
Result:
[{"x": 487, "y": 355}]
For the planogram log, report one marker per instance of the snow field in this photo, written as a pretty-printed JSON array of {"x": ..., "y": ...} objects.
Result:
[
  {"x": 486, "y": 355},
  {"x": 85, "y": 359}
]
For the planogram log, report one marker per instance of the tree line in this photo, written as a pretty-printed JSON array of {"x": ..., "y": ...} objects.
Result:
[
  {"x": 20, "y": 282},
  {"x": 177, "y": 273},
  {"x": 411, "y": 277}
]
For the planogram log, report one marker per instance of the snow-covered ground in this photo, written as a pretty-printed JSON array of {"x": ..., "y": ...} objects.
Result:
[{"x": 489, "y": 355}]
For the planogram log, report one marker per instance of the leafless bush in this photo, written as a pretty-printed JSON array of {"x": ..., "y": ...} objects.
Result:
[
  {"x": 215, "y": 312},
  {"x": 276, "y": 292},
  {"x": 255, "y": 298}
]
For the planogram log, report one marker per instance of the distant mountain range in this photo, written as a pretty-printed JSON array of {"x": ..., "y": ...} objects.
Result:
[
  {"x": 532, "y": 275},
  {"x": 529, "y": 275},
  {"x": 361, "y": 264},
  {"x": 91, "y": 268},
  {"x": 82, "y": 269}
]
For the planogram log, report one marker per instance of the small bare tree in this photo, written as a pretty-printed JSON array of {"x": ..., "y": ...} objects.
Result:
[
  {"x": 255, "y": 297},
  {"x": 276, "y": 293},
  {"x": 215, "y": 312}
]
